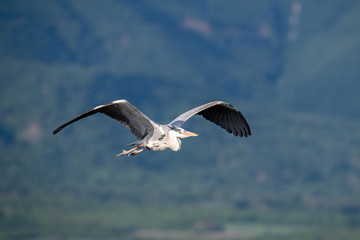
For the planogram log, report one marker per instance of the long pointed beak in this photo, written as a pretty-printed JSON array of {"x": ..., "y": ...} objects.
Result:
[{"x": 190, "y": 134}]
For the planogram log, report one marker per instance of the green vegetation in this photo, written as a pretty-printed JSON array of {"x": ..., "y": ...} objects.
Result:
[{"x": 292, "y": 68}]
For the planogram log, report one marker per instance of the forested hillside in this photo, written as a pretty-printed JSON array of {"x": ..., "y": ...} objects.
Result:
[{"x": 291, "y": 67}]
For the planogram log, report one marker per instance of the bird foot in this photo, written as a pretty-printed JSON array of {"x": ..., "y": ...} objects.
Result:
[
  {"x": 132, "y": 151},
  {"x": 124, "y": 153}
]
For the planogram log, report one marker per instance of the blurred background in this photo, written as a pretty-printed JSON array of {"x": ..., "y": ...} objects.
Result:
[{"x": 291, "y": 67}]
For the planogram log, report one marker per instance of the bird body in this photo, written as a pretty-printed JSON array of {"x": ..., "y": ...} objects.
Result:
[
  {"x": 158, "y": 137},
  {"x": 167, "y": 139}
]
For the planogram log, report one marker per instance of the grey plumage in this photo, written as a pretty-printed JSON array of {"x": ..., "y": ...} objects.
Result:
[
  {"x": 122, "y": 111},
  {"x": 220, "y": 113},
  {"x": 155, "y": 136}
]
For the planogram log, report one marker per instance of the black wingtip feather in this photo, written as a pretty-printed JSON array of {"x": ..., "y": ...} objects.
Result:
[{"x": 228, "y": 118}]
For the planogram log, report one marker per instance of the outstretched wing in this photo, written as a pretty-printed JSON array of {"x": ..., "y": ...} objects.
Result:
[
  {"x": 220, "y": 113},
  {"x": 124, "y": 112}
]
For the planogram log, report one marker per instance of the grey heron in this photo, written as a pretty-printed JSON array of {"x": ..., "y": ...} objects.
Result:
[{"x": 158, "y": 137}]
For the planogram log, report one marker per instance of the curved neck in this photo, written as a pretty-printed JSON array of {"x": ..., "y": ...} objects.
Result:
[{"x": 174, "y": 141}]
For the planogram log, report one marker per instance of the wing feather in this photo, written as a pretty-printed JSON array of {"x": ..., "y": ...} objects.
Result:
[
  {"x": 228, "y": 125},
  {"x": 220, "y": 113},
  {"x": 122, "y": 111},
  {"x": 232, "y": 126}
]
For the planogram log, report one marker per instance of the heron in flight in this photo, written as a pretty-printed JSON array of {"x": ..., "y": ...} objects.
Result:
[{"x": 158, "y": 137}]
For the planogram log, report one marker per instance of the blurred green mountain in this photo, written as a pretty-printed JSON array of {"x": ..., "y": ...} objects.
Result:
[{"x": 292, "y": 68}]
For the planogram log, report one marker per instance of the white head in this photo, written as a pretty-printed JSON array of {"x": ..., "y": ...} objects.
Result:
[
  {"x": 175, "y": 134},
  {"x": 181, "y": 133}
]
